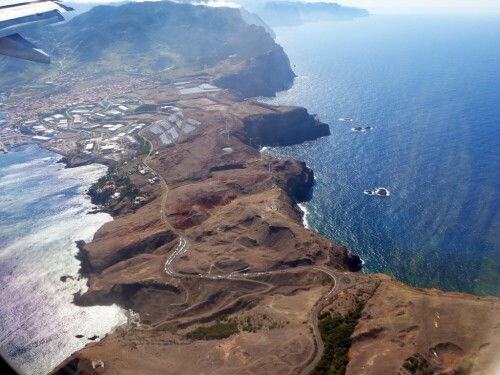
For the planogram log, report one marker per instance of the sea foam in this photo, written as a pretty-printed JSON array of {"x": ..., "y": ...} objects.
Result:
[{"x": 46, "y": 213}]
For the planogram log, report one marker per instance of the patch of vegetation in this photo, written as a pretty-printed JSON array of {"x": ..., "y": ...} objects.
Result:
[
  {"x": 217, "y": 331},
  {"x": 146, "y": 108},
  {"x": 127, "y": 188},
  {"x": 101, "y": 192},
  {"x": 336, "y": 334},
  {"x": 98, "y": 195},
  {"x": 417, "y": 364},
  {"x": 144, "y": 146},
  {"x": 464, "y": 370}
]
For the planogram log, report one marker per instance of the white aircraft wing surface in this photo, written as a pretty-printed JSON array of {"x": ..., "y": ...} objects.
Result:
[{"x": 17, "y": 16}]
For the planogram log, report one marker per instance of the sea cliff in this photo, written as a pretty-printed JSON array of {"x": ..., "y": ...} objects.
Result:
[
  {"x": 262, "y": 75},
  {"x": 213, "y": 247}
]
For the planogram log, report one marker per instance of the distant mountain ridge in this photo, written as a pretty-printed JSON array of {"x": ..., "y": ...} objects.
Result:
[
  {"x": 291, "y": 13},
  {"x": 149, "y": 37}
]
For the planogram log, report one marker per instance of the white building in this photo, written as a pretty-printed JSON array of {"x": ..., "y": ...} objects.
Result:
[{"x": 108, "y": 149}]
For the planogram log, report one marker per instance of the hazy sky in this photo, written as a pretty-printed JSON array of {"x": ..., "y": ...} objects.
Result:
[
  {"x": 435, "y": 6},
  {"x": 391, "y": 6}
]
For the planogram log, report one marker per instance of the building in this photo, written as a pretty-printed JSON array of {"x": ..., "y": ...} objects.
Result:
[
  {"x": 77, "y": 119},
  {"x": 97, "y": 364},
  {"x": 38, "y": 129},
  {"x": 139, "y": 200},
  {"x": 132, "y": 142},
  {"x": 108, "y": 149},
  {"x": 114, "y": 113},
  {"x": 123, "y": 108}
]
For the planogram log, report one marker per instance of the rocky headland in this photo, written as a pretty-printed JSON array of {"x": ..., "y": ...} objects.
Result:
[
  {"x": 294, "y": 13},
  {"x": 211, "y": 257}
]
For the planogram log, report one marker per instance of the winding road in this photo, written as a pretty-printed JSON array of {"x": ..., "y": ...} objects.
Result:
[{"x": 183, "y": 247}]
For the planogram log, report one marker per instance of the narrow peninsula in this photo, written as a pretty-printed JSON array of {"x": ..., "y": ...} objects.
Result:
[{"x": 207, "y": 249}]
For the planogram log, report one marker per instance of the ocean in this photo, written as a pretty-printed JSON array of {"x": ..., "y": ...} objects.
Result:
[
  {"x": 43, "y": 212},
  {"x": 429, "y": 86}
]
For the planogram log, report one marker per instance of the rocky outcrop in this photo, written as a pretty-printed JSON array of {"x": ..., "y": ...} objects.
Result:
[
  {"x": 283, "y": 128},
  {"x": 122, "y": 294},
  {"x": 295, "y": 178},
  {"x": 339, "y": 255},
  {"x": 79, "y": 160},
  {"x": 76, "y": 365},
  {"x": 226, "y": 167},
  {"x": 143, "y": 244},
  {"x": 262, "y": 75}
]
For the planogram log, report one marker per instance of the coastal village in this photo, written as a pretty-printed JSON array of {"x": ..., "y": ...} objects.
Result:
[
  {"x": 100, "y": 122},
  {"x": 207, "y": 248},
  {"x": 103, "y": 124}
]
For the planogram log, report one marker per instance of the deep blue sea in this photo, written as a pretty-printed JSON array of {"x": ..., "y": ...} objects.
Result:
[
  {"x": 43, "y": 211},
  {"x": 430, "y": 88}
]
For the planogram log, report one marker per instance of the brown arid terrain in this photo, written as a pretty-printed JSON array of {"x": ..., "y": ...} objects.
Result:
[
  {"x": 218, "y": 273},
  {"x": 219, "y": 242}
]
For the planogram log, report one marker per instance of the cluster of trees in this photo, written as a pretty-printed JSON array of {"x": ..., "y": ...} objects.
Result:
[
  {"x": 97, "y": 195},
  {"x": 100, "y": 195},
  {"x": 336, "y": 334},
  {"x": 217, "y": 331},
  {"x": 144, "y": 146},
  {"x": 418, "y": 364}
]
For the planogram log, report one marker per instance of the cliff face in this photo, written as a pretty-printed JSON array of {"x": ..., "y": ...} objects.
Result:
[
  {"x": 263, "y": 75},
  {"x": 340, "y": 255},
  {"x": 230, "y": 210},
  {"x": 293, "y": 13},
  {"x": 150, "y": 37},
  {"x": 295, "y": 178},
  {"x": 284, "y": 128},
  {"x": 238, "y": 210}
]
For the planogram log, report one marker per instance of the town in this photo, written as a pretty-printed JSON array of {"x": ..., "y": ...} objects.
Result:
[{"x": 100, "y": 122}]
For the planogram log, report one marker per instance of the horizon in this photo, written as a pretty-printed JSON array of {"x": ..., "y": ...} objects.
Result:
[
  {"x": 277, "y": 187},
  {"x": 479, "y": 7}
]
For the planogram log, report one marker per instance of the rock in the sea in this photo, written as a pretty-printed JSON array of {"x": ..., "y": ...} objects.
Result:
[{"x": 66, "y": 278}]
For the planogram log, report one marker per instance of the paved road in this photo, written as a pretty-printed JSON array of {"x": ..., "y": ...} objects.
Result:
[{"x": 183, "y": 247}]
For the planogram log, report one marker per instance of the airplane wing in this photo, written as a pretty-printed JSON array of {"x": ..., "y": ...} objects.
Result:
[{"x": 17, "y": 16}]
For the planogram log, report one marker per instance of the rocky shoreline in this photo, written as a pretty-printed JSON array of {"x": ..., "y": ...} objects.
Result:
[
  {"x": 219, "y": 208},
  {"x": 294, "y": 177},
  {"x": 240, "y": 213}
]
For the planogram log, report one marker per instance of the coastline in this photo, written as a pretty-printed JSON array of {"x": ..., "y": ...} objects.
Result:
[
  {"x": 305, "y": 212},
  {"x": 226, "y": 244},
  {"x": 426, "y": 234},
  {"x": 297, "y": 182},
  {"x": 46, "y": 252}
]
